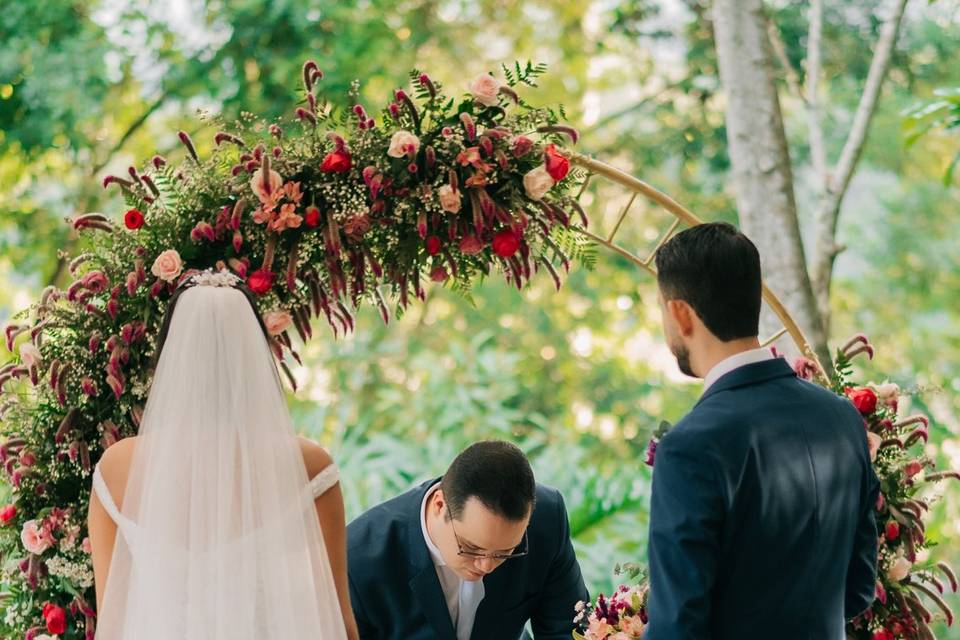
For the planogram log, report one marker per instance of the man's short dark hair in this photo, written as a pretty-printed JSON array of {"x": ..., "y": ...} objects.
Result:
[
  {"x": 497, "y": 474},
  {"x": 716, "y": 270}
]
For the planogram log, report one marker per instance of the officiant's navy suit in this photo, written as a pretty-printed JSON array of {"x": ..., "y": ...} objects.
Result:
[
  {"x": 762, "y": 522},
  {"x": 396, "y": 594}
]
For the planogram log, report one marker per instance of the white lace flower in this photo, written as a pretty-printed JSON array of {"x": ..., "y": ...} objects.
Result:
[{"x": 211, "y": 278}]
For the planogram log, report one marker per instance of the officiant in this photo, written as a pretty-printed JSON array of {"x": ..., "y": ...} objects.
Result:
[{"x": 473, "y": 555}]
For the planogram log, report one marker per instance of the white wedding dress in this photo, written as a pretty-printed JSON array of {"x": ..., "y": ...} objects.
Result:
[{"x": 217, "y": 532}]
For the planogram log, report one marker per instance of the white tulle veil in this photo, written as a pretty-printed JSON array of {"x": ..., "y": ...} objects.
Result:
[{"x": 217, "y": 538}]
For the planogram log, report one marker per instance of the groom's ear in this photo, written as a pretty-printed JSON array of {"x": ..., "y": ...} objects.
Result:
[{"x": 683, "y": 316}]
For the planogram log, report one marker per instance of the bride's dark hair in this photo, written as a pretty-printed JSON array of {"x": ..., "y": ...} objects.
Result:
[{"x": 172, "y": 305}]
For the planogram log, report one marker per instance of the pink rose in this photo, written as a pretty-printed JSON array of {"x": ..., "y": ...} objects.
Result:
[
  {"x": 277, "y": 322},
  {"x": 485, "y": 89},
  {"x": 537, "y": 182},
  {"x": 30, "y": 355},
  {"x": 85, "y": 545},
  {"x": 900, "y": 569},
  {"x": 167, "y": 266},
  {"x": 471, "y": 245},
  {"x": 266, "y": 191},
  {"x": 889, "y": 393},
  {"x": 522, "y": 145},
  {"x": 449, "y": 198},
  {"x": 873, "y": 443},
  {"x": 403, "y": 142},
  {"x": 633, "y": 626},
  {"x": 35, "y": 539}
]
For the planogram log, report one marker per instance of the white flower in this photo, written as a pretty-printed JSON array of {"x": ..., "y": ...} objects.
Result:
[
  {"x": 449, "y": 199},
  {"x": 211, "y": 278},
  {"x": 485, "y": 89},
  {"x": 29, "y": 354},
  {"x": 537, "y": 182},
  {"x": 401, "y": 143}
]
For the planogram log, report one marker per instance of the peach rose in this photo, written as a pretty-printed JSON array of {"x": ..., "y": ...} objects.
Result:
[
  {"x": 29, "y": 354},
  {"x": 449, "y": 198},
  {"x": 900, "y": 569},
  {"x": 167, "y": 266},
  {"x": 277, "y": 322},
  {"x": 35, "y": 538},
  {"x": 485, "y": 89},
  {"x": 873, "y": 443},
  {"x": 267, "y": 191},
  {"x": 401, "y": 143},
  {"x": 889, "y": 392},
  {"x": 537, "y": 182}
]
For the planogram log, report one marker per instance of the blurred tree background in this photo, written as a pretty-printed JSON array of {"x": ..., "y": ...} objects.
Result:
[{"x": 579, "y": 378}]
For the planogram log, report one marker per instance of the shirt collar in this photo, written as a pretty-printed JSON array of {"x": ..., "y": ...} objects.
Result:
[
  {"x": 434, "y": 551},
  {"x": 736, "y": 361}
]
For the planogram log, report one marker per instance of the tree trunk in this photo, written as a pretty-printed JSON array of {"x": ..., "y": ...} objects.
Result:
[{"x": 763, "y": 179}]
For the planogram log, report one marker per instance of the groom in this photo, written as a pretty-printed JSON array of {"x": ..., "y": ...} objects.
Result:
[
  {"x": 473, "y": 555},
  {"x": 761, "y": 521}
]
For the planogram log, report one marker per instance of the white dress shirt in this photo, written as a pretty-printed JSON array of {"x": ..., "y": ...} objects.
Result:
[
  {"x": 736, "y": 361},
  {"x": 463, "y": 597}
]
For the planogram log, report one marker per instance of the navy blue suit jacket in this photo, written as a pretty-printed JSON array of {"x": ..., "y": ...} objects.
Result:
[
  {"x": 762, "y": 516},
  {"x": 396, "y": 594}
]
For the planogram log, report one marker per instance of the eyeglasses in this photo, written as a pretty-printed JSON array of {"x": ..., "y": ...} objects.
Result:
[{"x": 518, "y": 552}]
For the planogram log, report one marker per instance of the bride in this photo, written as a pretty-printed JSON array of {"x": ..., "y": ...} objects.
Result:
[{"x": 217, "y": 522}]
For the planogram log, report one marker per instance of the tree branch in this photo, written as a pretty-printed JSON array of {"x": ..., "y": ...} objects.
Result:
[
  {"x": 825, "y": 249},
  {"x": 780, "y": 49},
  {"x": 868, "y": 100},
  {"x": 818, "y": 153}
]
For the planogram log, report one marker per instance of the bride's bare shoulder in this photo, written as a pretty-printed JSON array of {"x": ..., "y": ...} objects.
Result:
[
  {"x": 315, "y": 457},
  {"x": 115, "y": 463}
]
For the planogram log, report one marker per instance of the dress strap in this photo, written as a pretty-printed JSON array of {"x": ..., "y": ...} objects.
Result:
[
  {"x": 323, "y": 481},
  {"x": 124, "y": 524}
]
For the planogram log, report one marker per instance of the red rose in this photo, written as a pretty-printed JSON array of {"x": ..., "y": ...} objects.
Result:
[
  {"x": 260, "y": 281},
  {"x": 883, "y": 634},
  {"x": 336, "y": 162},
  {"x": 439, "y": 274},
  {"x": 893, "y": 530},
  {"x": 7, "y": 514},
  {"x": 506, "y": 243},
  {"x": 433, "y": 245},
  {"x": 312, "y": 217},
  {"x": 133, "y": 219},
  {"x": 557, "y": 165},
  {"x": 55, "y": 617},
  {"x": 864, "y": 399}
]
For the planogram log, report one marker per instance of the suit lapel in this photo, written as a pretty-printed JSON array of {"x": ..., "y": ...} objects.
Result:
[{"x": 425, "y": 585}]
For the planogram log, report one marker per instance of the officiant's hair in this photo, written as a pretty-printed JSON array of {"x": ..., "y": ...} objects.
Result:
[
  {"x": 497, "y": 474},
  {"x": 715, "y": 269},
  {"x": 172, "y": 305}
]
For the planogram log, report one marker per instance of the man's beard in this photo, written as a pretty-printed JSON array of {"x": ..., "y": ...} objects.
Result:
[{"x": 682, "y": 354}]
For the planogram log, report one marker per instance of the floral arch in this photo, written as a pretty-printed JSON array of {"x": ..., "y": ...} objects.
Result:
[{"x": 319, "y": 214}]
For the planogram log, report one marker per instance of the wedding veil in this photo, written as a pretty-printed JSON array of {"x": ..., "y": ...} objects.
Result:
[{"x": 218, "y": 537}]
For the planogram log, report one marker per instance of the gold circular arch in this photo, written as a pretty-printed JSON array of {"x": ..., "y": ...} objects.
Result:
[{"x": 681, "y": 216}]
